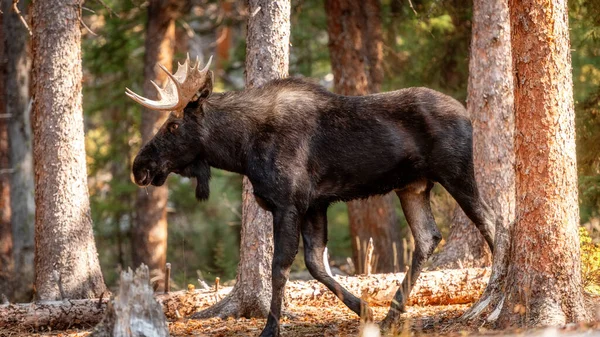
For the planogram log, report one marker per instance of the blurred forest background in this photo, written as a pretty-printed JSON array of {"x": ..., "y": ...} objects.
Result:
[{"x": 426, "y": 43}]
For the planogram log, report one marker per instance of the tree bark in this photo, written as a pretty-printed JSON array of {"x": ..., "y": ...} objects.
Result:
[
  {"x": 6, "y": 259},
  {"x": 491, "y": 106},
  {"x": 66, "y": 261},
  {"x": 22, "y": 202},
  {"x": 355, "y": 47},
  {"x": 540, "y": 282},
  {"x": 373, "y": 43},
  {"x": 149, "y": 233},
  {"x": 267, "y": 58}
]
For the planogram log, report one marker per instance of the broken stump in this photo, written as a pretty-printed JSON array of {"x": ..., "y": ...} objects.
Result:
[{"x": 133, "y": 311}]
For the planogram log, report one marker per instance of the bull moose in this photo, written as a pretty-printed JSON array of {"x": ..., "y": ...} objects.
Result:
[{"x": 303, "y": 148}]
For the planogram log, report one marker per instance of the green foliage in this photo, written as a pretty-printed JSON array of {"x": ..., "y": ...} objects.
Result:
[
  {"x": 204, "y": 236},
  {"x": 427, "y": 46},
  {"x": 585, "y": 41},
  {"x": 590, "y": 262}
]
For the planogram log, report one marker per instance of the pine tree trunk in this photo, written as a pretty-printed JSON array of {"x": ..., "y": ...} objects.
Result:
[
  {"x": 546, "y": 170},
  {"x": 6, "y": 260},
  {"x": 66, "y": 261},
  {"x": 490, "y": 104},
  {"x": 149, "y": 234},
  {"x": 355, "y": 47},
  {"x": 373, "y": 43},
  {"x": 538, "y": 281},
  {"x": 22, "y": 202},
  {"x": 267, "y": 58}
]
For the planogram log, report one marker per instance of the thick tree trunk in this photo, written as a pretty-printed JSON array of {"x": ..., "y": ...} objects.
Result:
[
  {"x": 546, "y": 175},
  {"x": 66, "y": 261},
  {"x": 490, "y": 104},
  {"x": 267, "y": 58},
  {"x": 22, "y": 202},
  {"x": 6, "y": 260},
  {"x": 355, "y": 47},
  {"x": 149, "y": 234},
  {"x": 540, "y": 280}
]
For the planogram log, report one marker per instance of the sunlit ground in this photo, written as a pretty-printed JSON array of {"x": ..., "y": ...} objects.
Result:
[{"x": 334, "y": 319}]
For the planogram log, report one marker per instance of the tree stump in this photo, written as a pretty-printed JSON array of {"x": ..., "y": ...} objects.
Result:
[{"x": 133, "y": 311}]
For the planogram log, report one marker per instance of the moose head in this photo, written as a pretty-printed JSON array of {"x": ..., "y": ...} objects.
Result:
[{"x": 177, "y": 146}]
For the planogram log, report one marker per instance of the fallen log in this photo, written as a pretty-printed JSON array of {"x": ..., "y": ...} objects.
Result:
[
  {"x": 460, "y": 286},
  {"x": 56, "y": 315},
  {"x": 457, "y": 286}
]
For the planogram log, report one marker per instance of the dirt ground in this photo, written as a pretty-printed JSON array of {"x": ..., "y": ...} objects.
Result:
[{"x": 334, "y": 319}]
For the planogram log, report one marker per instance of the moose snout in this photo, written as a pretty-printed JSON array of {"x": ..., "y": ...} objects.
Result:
[
  {"x": 143, "y": 171},
  {"x": 142, "y": 178}
]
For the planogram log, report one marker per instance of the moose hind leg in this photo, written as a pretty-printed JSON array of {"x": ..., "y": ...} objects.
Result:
[
  {"x": 285, "y": 239},
  {"x": 417, "y": 210},
  {"x": 463, "y": 189},
  {"x": 314, "y": 236}
]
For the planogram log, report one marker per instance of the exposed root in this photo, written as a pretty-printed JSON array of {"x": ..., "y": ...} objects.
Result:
[
  {"x": 232, "y": 305},
  {"x": 227, "y": 307}
]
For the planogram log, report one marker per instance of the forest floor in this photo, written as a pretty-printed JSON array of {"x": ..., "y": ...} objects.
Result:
[{"x": 329, "y": 318}]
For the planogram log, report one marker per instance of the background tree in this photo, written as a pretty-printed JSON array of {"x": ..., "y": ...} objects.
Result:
[
  {"x": 267, "y": 58},
  {"x": 6, "y": 260},
  {"x": 490, "y": 104},
  {"x": 149, "y": 234},
  {"x": 355, "y": 47},
  {"x": 66, "y": 261},
  {"x": 530, "y": 286},
  {"x": 22, "y": 205}
]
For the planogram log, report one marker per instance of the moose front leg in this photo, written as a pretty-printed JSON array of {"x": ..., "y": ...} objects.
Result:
[{"x": 286, "y": 233}]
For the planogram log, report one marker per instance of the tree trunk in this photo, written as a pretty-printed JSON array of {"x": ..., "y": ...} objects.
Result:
[
  {"x": 6, "y": 260},
  {"x": 373, "y": 43},
  {"x": 267, "y": 58},
  {"x": 355, "y": 47},
  {"x": 540, "y": 280},
  {"x": 66, "y": 261},
  {"x": 149, "y": 233},
  {"x": 490, "y": 104},
  {"x": 22, "y": 203}
]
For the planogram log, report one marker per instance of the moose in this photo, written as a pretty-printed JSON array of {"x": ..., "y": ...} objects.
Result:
[{"x": 304, "y": 148}]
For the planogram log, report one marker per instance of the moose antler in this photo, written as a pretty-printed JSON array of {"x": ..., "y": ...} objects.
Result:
[{"x": 179, "y": 88}]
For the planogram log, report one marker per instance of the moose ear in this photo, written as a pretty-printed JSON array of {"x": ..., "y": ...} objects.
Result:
[{"x": 206, "y": 90}]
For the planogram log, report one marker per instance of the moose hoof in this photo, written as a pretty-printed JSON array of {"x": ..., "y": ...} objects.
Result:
[
  {"x": 391, "y": 321},
  {"x": 270, "y": 331}
]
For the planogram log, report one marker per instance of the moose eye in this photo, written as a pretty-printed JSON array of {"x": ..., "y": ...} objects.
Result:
[{"x": 173, "y": 127}]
